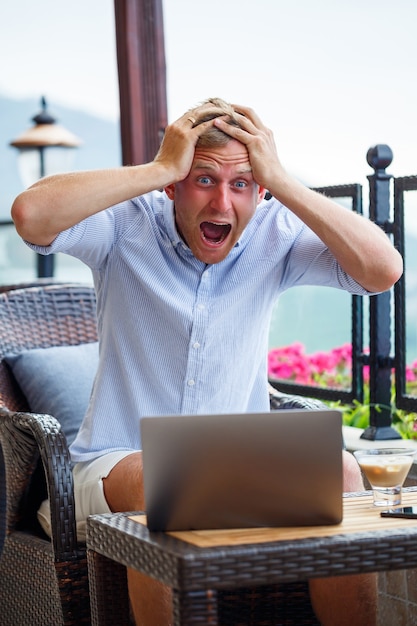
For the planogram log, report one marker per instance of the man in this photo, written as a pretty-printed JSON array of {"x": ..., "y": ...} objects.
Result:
[{"x": 186, "y": 280}]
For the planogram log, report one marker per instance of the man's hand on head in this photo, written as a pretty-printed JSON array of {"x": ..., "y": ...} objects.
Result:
[
  {"x": 259, "y": 141},
  {"x": 176, "y": 152}
]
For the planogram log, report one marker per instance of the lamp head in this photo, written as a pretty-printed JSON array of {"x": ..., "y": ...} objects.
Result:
[{"x": 45, "y": 148}]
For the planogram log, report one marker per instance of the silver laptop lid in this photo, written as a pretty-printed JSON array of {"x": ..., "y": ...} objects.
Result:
[{"x": 282, "y": 468}]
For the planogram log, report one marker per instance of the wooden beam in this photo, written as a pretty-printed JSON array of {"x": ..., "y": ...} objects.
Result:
[{"x": 142, "y": 78}]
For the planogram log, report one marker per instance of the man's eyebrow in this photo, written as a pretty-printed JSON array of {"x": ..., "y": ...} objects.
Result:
[
  {"x": 202, "y": 165},
  {"x": 245, "y": 169}
]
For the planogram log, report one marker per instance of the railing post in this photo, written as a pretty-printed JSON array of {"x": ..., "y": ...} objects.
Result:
[
  {"x": 45, "y": 265},
  {"x": 380, "y": 362}
]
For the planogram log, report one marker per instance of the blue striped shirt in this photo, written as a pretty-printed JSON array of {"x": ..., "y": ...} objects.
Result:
[{"x": 178, "y": 336}]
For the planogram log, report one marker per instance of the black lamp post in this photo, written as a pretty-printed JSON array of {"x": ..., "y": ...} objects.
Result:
[{"x": 44, "y": 149}]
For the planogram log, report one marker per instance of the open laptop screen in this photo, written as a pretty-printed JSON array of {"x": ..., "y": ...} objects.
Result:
[{"x": 281, "y": 468}]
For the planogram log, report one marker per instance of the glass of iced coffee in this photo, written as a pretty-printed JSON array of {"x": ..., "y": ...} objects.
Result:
[{"x": 386, "y": 470}]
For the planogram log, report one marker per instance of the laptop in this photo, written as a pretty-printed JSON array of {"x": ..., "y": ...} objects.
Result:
[{"x": 248, "y": 470}]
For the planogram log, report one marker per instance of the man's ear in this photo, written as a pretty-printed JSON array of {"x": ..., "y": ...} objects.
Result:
[
  {"x": 170, "y": 191},
  {"x": 261, "y": 193}
]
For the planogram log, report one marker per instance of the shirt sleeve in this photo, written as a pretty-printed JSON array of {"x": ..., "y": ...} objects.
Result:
[
  {"x": 308, "y": 260},
  {"x": 92, "y": 239}
]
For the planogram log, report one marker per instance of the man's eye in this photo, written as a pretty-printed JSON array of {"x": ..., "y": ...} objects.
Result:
[
  {"x": 204, "y": 180},
  {"x": 241, "y": 184}
]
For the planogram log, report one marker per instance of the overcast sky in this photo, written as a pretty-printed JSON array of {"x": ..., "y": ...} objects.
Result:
[{"x": 330, "y": 77}]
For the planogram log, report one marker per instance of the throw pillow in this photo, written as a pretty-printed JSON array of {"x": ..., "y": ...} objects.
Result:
[{"x": 57, "y": 381}]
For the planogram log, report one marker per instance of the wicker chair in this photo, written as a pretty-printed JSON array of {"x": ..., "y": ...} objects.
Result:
[{"x": 44, "y": 582}]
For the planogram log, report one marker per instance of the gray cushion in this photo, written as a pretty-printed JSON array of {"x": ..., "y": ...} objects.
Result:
[{"x": 57, "y": 381}]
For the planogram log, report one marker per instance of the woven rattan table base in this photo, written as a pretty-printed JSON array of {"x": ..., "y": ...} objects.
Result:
[{"x": 191, "y": 571}]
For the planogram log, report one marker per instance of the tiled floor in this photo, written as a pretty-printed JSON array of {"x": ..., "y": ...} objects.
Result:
[{"x": 397, "y": 602}]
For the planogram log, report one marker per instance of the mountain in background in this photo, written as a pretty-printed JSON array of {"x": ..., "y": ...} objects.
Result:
[{"x": 100, "y": 148}]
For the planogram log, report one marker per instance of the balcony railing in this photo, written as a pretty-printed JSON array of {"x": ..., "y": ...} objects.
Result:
[{"x": 379, "y": 359}]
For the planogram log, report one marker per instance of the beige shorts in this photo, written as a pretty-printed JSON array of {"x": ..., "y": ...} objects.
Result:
[{"x": 88, "y": 491}]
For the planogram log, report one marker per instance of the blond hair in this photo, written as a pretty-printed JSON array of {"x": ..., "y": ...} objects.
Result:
[{"x": 214, "y": 136}]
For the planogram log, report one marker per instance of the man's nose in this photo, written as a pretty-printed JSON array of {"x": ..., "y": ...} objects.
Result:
[{"x": 222, "y": 198}]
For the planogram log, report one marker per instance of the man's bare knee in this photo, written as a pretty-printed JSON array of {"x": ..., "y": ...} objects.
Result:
[
  {"x": 352, "y": 476},
  {"x": 123, "y": 487}
]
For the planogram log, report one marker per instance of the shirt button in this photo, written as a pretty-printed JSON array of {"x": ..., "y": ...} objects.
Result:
[
  {"x": 191, "y": 382},
  {"x": 200, "y": 307},
  {"x": 196, "y": 345}
]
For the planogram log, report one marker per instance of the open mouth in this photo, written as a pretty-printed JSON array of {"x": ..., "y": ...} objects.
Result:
[{"x": 213, "y": 233}]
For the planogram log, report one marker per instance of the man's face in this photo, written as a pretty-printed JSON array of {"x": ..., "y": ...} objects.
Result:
[{"x": 214, "y": 204}]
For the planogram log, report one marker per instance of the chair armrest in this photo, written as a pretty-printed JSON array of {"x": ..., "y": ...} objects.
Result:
[
  {"x": 2, "y": 501},
  {"x": 25, "y": 438},
  {"x": 279, "y": 401}
]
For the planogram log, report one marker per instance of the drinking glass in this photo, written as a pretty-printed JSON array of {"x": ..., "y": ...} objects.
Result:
[{"x": 386, "y": 470}]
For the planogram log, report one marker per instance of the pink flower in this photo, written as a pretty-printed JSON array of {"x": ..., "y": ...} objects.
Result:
[
  {"x": 331, "y": 368},
  {"x": 410, "y": 374}
]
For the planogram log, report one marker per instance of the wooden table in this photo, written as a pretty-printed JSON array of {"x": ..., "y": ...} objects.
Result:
[{"x": 194, "y": 562}]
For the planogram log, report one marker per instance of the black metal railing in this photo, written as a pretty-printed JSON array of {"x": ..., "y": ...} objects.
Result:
[
  {"x": 402, "y": 399},
  {"x": 352, "y": 193},
  {"x": 380, "y": 361}
]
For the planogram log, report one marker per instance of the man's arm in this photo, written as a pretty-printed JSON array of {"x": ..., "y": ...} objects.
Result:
[
  {"x": 58, "y": 202},
  {"x": 361, "y": 248}
]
